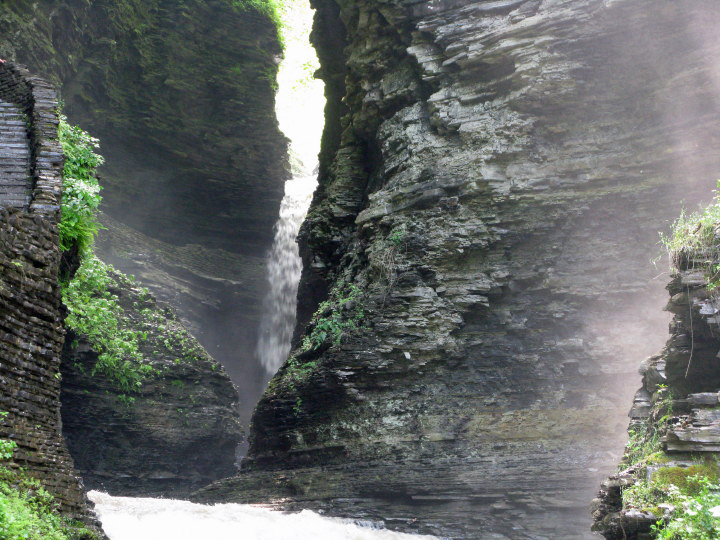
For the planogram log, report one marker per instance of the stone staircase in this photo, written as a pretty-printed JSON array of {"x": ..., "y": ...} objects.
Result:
[{"x": 15, "y": 177}]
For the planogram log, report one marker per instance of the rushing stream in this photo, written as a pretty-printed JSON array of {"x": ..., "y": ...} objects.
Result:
[
  {"x": 131, "y": 518},
  {"x": 284, "y": 267}
]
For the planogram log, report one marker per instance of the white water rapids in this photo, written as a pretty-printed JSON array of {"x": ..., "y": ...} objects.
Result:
[
  {"x": 131, "y": 518},
  {"x": 284, "y": 268}
]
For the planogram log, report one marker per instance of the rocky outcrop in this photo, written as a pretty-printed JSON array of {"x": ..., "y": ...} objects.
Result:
[
  {"x": 216, "y": 293},
  {"x": 31, "y": 331},
  {"x": 181, "y": 96},
  {"x": 677, "y": 404},
  {"x": 175, "y": 434},
  {"x": 493, "y": 177}
]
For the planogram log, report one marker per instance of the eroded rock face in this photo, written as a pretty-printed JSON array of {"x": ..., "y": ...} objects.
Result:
[
  {"x": 176, "y": 434},
  {"x": 181, "y": 96},
  {"x": 492, "y": 180},
  {"x": 31, "y": 331},
  {"x": 678, "y": 400}
]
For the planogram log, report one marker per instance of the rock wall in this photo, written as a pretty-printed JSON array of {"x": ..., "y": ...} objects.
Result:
[
  {"x": 181, "y": 96},
  {"x": 31, "y": 331},
  {"x": 177, "y": 433},
  {"x": 493, "y": 177},
  {"x": 678, "y": 403}
]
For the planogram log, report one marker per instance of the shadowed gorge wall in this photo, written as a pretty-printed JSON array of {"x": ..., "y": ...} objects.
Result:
[
  {"x": 493, "y": 178},
  {"x": 31, "y": 331},
  {"x": 181, "y": 96},
  {"x": 175, "y": 433}
]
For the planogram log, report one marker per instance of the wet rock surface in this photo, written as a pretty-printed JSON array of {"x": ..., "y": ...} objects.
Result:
[
  {"x": 181, "y": 96},
  {"x": 688, "y": 368},
  {"x": 492, "y": 180},
  {"x": 216, "y": 293},
  {"x": 177, "y": 433},
  {"x": 31, "y": 331}
]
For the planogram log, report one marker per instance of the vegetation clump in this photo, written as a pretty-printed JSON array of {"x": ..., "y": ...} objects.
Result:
[
  {"x": 81, "y": 190},
  {"x": 94, "y": 311},
  {"x": 687, "y": 500},
  {"x": 685, "y": 497},
  {"x": 694, "y": 241},
  {"x": 27, "y": 510},
  {"x": 335, "y": 318},
  {"x": 644, "y": 438}
]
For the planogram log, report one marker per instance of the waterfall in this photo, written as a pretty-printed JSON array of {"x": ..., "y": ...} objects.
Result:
[
  {"x": 283, "y": 273},
  {"x": 131, "y": 518},
  {"x": 299, "y": 106}
]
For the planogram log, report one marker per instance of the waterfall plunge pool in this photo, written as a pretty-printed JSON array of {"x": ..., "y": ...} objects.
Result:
[{"x": 134, "y": 518}]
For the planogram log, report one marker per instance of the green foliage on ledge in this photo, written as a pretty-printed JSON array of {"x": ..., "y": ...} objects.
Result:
[
  {"x": 27, "y": 510},
  {"x": 93, "y": 309},
  {"x": 685, "y": 499},
  {"x": 694, "y": 241},
  {"x": 95, "y": 312},
  {"x": 644, "y": 439},
  {"x": 81, "y": 190},
  {"x": 335, "y": 318}
]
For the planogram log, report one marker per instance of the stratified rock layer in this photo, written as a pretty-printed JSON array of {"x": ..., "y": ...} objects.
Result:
[
  {"x": 177, "y": 433},
  {"x": 493, "y": 177},
  {"x": 31, "y": 331},
  {"x": 181, "y": 94},
  {"x": 688, "y": 425}
]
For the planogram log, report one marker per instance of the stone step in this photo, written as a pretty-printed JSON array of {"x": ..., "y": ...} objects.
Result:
[
  {"x": 8, "y": 144},
  {"x": 15, "y": 180},
  {"x": 23, "y": 182},
  {"x": 14, "y": 203}
]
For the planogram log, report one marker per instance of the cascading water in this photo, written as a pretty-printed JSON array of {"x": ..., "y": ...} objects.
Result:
[
  {"x": 284, "y": 267},
  {"x": 299, "y": 108},
  {"x": 131, "y": 518}
]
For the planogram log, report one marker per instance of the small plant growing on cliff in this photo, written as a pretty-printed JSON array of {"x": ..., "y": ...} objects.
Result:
[
  {"x": 644, "y": 439},
  {"x": 695, "y": 240},
  {"x": 29, "y": 512},
  {"x": 81, "y": 191},
  {"x": 335, "y": 318},
  {"x": 7, "y": 448},
  {"x": 693, "y": 513},
  {"x": 95, "y": 312}
]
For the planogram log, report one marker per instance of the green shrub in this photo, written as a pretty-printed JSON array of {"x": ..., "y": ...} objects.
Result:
[
  {"x": 692, "y": 516},
  {"x": 335, "y": 318},
  {"x": 695, "y": 240},
  {"x": 94, "y": 312},
  {"x": 27, "y": 511},
  {"x": 81, "y": 191}
]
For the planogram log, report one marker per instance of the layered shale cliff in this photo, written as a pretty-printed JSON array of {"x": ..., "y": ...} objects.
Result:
[
  {"x": 181, "y": 94},
  {"x": 31, "y": 331},
  {"x": 670, "y": 470},
  {"x": 493, "y": 176},
  {"x": 175, "y": 433}
]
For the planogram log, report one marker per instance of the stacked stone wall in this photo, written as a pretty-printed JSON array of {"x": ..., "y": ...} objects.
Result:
[
  {"x": 38, "y": 100},
  {"x": 31, "y": 330}
]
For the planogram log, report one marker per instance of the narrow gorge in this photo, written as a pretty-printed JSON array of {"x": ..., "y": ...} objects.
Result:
[{"x": 414, "y": 308}]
